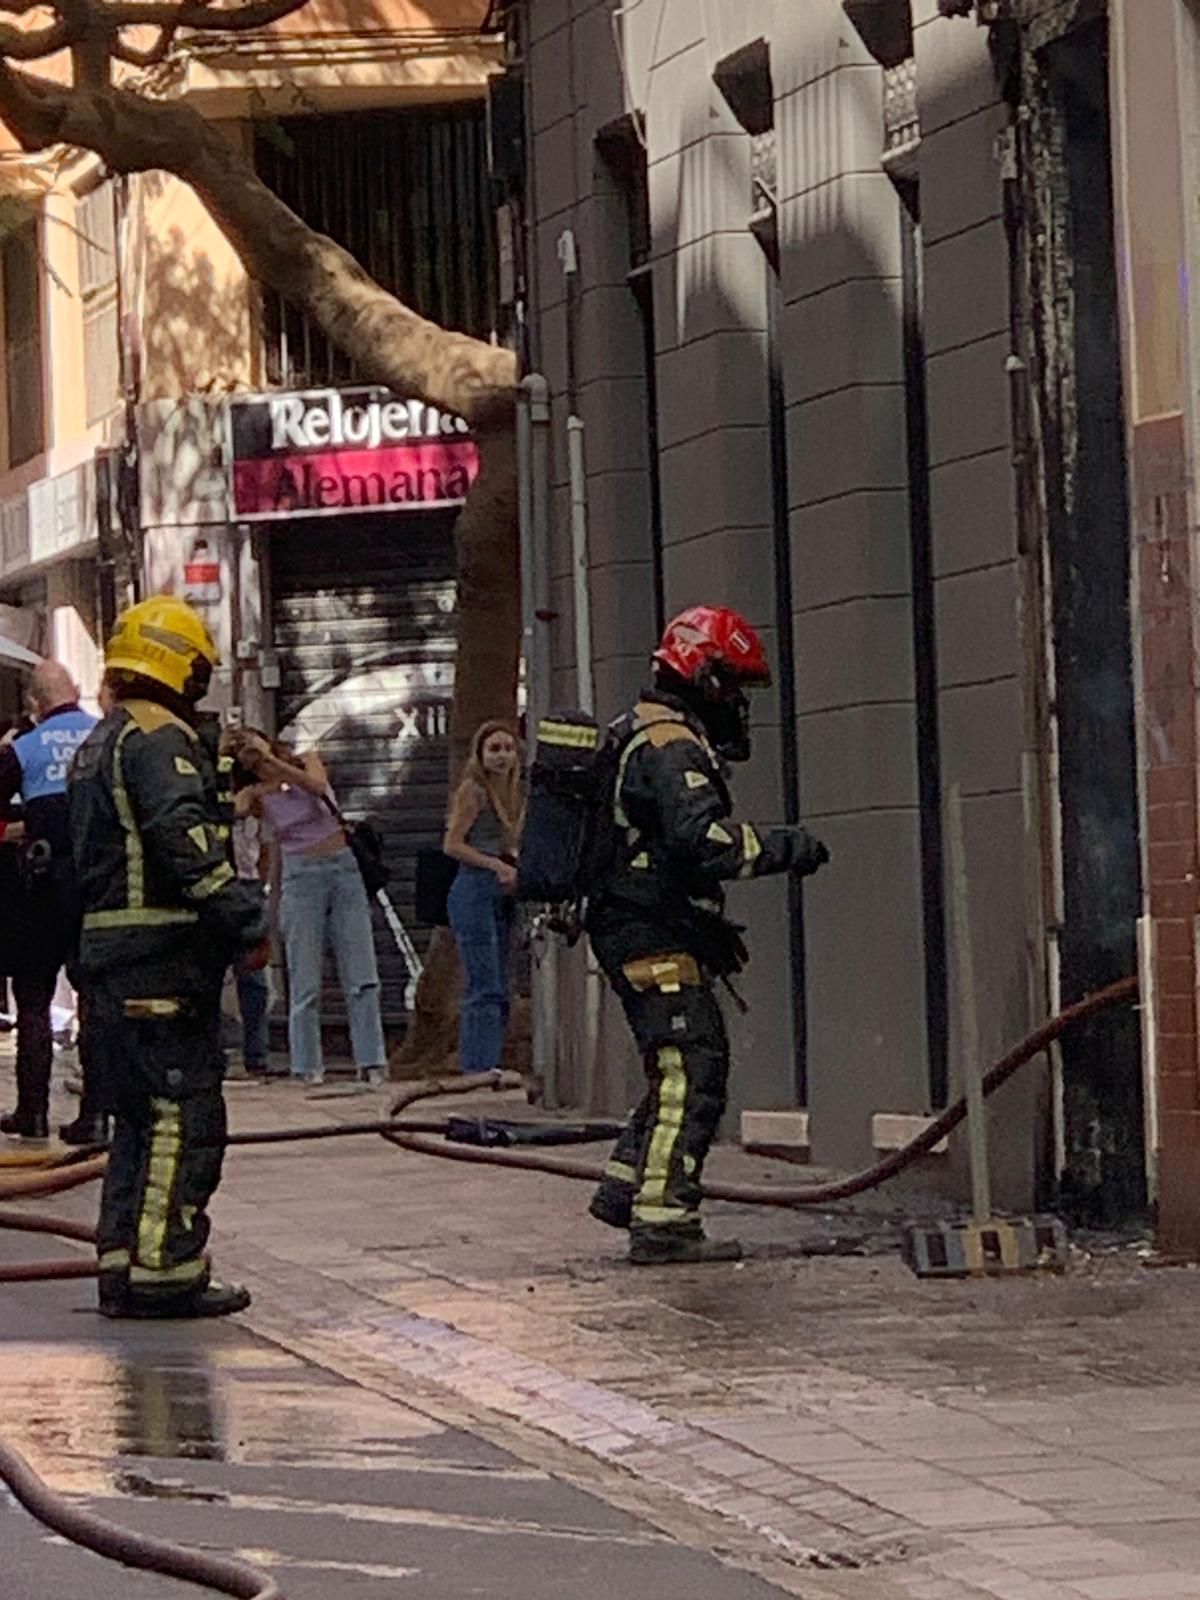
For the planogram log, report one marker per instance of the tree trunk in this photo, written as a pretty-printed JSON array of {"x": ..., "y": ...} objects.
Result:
[{"x": 486, "y": 668}]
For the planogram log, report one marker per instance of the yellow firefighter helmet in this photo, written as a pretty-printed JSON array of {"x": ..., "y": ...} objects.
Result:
[{"x": 166, "y": 640}]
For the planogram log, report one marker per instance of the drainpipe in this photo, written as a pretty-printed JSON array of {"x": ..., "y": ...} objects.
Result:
[
  {"x": 533, "y": 452},
  {"x": 129, "y": 355},
  {"x": 586, "y": 696}
]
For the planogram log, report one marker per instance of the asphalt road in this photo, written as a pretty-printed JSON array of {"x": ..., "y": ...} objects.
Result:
[{"x": 208, "y": 1435}]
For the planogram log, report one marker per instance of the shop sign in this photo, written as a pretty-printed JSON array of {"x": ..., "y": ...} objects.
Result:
[
  {"x": 332, "y": 452},
  {"x": 202, "y": 575}
]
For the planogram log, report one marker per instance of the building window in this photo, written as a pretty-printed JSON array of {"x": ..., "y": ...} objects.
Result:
[
  {"x": 20, "y": 262},
  {"x": 407, "y": 193},
  {"x": 97, "y": 231}
]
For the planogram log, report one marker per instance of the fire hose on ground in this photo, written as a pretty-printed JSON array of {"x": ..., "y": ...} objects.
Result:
[{"x": 226, "y": 1576}]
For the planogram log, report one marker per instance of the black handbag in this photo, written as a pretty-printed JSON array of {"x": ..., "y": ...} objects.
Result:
[
  {"x": 436, "y": 872},
  {"x": 366, "y": 844}
]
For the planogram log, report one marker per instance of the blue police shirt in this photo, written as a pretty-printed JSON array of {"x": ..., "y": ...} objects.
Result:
[{"x": 35, "y": 766}]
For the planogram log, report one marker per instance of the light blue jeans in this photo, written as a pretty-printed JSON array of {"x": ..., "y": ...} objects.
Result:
[
  {"x": 323, "y": 902},
  {"x": 481, "y": 915}
]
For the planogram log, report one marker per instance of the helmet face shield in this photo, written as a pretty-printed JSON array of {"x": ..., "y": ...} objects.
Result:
[{"x": 724, "y": 707}]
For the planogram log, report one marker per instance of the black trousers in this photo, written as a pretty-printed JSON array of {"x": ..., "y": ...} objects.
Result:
[
  {"x": 656, "y": 1166},
  {"x": 164, "y": 1069},
  {"x": 46, "y": 949}
]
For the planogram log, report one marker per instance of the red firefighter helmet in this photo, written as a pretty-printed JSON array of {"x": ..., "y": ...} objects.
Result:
[{"x": 703, "y": 636}]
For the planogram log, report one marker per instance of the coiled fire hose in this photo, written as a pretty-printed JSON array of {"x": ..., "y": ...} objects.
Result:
[{"x": 227, "y": 1576}]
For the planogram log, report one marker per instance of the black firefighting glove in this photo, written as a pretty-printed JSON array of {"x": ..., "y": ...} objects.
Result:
[{"x": 797, "y": 851}]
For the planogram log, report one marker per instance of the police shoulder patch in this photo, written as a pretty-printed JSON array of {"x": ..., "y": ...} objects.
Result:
[{"x": 184, "y": 768}]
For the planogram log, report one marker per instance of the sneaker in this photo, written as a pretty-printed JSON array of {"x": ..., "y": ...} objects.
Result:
[
  {"x": 31, "y": 1126},
  {"x": 215, "y": 1300},
  {"x": 85, "y": 1131},
  {"x": 663, "y": 1247}
]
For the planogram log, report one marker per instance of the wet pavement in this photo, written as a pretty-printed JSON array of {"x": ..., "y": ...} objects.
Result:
[
  {"x": 215, "y": 1438},
  {"x": 456, "y": 1372}
]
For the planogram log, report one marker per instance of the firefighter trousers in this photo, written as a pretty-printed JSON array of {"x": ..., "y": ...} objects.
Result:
[
  {"x": 164, "y": 1068},
  {"x": 652, "y": 1180}
]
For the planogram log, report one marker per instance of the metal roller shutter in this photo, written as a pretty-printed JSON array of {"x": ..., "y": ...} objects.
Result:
[{"x": 363, "y": 617}]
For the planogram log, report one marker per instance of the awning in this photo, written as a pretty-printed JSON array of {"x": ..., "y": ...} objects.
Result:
[{"x": 13, "y": 654}]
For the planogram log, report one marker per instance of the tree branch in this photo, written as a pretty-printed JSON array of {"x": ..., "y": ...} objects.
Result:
[
  {"x": 151, "y": 57},
  {"x": 200, "y": 15},
  {"x": 32, "y": 44},
  {"x": 389, "y": 343}
]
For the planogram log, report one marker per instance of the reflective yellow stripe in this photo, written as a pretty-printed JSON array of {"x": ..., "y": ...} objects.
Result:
[
  {"x": 635, "y": 744},
  {"x": 114, "y": 1261},
  {"x": 162, "y": 1169},
  {"x": 185, "y": 1272},
  {"x": 621, "y": 1172},
  {"x": 138, "y": 917},
  {"x": 672, "y": 1098},
  {"x": 212, "y": 883},
  {"x": 751, "y": 850},
  {"x": 572, "y": 738},
  {"x": 135, "y": 860},
  {"x": 152, "y": 1008},
  {"x": 718, "y": 834},
  {"x": 661, "y": 1216}
]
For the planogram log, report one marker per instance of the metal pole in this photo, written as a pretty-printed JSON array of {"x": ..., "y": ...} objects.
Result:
[
  {"x": 533, "y": 445},
  {"x": 579, "y": 558},
  {"x": 586, "y": 696},
  {"x": 981, "y": 1187}
]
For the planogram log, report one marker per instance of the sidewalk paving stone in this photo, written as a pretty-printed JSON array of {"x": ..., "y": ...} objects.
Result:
[{"x": 1033, "y": 1439}]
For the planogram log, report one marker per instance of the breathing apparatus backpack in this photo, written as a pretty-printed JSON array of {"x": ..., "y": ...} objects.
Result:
[{"x": 568, "y": 815}]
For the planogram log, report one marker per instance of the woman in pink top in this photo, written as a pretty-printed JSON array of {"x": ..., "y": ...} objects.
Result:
[{"x": 322, "y": 902}]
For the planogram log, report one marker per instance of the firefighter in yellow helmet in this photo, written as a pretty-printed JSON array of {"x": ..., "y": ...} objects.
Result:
[{"x": 163, "y": 916}]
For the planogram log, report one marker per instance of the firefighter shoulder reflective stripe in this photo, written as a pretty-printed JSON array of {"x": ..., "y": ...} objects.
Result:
[
  {"x": 651, "y": 1204},
  {"x": 654, "y": 725},
  {"x": 137, "y": 917},
  {"x": 162, "y": 1170}
]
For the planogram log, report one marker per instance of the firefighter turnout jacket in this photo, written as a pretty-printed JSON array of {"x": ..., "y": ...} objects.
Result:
[
  {"x": 676, "y": 842},
  {"x": 161, "y": 902}
]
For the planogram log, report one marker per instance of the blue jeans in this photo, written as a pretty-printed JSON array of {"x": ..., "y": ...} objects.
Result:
[
  {"x": 481, "y": 915},
  {"x": 323, "y": 902},
  {"x": 254, "y": 998}
]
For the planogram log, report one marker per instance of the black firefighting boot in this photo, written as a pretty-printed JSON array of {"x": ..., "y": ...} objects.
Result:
[
  {"x": 214, "y": 1300},
  {"x": 612, "y": 1204},
  {"x": 85, "y": 1131},
  {"x": 681, "y": 1245},
  {"x": 32, "y": 1126}
]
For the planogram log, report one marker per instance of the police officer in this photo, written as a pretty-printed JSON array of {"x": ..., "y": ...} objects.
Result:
[
  {"x": 163, "y": 916},
  {"x": 657, "y": 922},
  {"x": 34, "y": 768}
]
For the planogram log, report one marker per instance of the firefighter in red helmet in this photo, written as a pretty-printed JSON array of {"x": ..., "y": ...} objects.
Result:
[{"x": 657, "y": 922}]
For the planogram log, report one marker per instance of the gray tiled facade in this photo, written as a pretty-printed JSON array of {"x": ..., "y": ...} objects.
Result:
[{"x": 840, "y": 331}]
